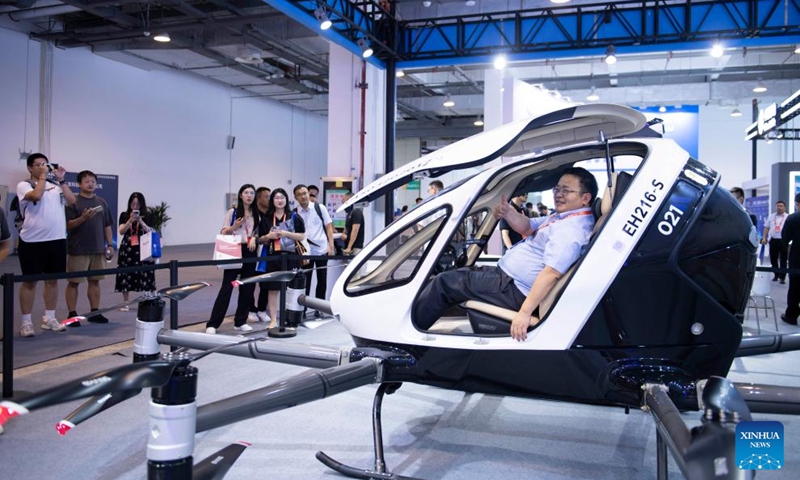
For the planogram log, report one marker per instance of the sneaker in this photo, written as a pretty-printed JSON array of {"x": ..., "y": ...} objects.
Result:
[
  {"x": 26, "y": 330},
  {"x": 124, "y": 309},
  {"x": 97, "y": 319},
  {"x": 73, "y": 324},
  {"x": 52, "y": 324},
  {"x": 244, "y": 328},
  {"x": 262, "y": 317},
  {"x": 211, "y": 331},
  {"x": 252, "y": 317}
]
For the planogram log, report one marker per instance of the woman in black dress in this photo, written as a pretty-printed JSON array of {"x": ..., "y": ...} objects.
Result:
[
  {"x": 133, "y": 223},
  {"x": 270, "y": 234}
]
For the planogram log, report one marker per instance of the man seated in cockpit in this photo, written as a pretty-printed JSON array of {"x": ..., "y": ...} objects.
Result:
[{"x": 528, "y": 271}]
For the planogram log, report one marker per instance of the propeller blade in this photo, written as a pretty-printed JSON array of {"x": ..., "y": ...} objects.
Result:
[
  {"x": 279, "y": 276},
  {"x": 128, "y": 377},
  {"x": 92, "y": 407},
  {"x": 84, "y": 316},
  {"x": 216, "y": 465},
  {"x": 179, "y": 292}
]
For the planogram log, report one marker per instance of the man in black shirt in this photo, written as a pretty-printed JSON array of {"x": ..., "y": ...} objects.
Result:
[
  {"x": 353, "y": 235},
  {"x": 791, "y": 233},
  {"x": 5, "y": 236},
  {"x": 508, "y": 234}
]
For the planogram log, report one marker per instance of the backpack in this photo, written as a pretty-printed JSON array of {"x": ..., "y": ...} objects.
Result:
[
  {"x": 319, "y": 213},
  {"x": 19, "y": 218}
]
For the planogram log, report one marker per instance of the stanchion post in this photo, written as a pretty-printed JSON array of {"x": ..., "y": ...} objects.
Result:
[
  {"x": 282, "y": 304},
  {"x": 173, "y": 304},
  {"x": 8, "y": 335}
]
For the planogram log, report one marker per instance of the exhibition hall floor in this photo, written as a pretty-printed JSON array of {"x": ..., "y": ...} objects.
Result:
[{"x": 428, "y": 433}]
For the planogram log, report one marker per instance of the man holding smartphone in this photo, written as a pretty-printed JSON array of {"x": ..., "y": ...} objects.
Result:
[
  {"x": 89, "y": 244},
  {"x": 42, "y": 238}
]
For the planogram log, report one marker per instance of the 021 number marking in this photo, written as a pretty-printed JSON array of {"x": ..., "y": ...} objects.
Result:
[{"x": 671, "y": 219}]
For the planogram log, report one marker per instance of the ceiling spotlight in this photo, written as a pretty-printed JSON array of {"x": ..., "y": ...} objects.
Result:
[
  {"x": 500, "y": 62},
  {"x": 593, "y": 96},
  {"x": 797, "y": 49},
  {"x": 736, "y": 113},
  {"x": 162, "y": 37},
  {"x": 559, "y": 1},
  {"x": 400, "y": 74},
  {"x": 448, "y": 102},
  {"x": 611, "y": 55},
  {"x": 760, "y": 87},
  {"x": 366, "y": 50},
  {"x": 426, "y": 3},
  {"x": 716, "y": 50},
  {"x": 478, "y": 121},
  {"x": 470, "y": 3},
  {"x": 322, "y": 17},
  {"x": 662, "y": 109}
]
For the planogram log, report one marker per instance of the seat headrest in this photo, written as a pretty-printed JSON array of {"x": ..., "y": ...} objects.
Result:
[{"x": 597, "y": 210}]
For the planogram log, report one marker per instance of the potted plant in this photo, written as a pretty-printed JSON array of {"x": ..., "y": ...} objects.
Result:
[{"x": 159, "y": 217}]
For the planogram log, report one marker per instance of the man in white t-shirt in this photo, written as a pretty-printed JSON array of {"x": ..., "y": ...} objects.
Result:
[
  {"x": 319, "y": 232},
  {"x": 773, "y": 229},
  {"x": 42, "y": 238}
]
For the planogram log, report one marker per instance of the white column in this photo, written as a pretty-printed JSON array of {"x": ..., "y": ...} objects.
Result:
[{"x": 345, "y": 109}]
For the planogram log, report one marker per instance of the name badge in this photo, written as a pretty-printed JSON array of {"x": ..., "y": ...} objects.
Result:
[{"x": 134, "y": 240}]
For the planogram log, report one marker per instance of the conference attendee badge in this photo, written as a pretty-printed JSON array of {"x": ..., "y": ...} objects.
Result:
[
  {"x": 134, "y": 240},
  {"x": 759, "y": 445}
]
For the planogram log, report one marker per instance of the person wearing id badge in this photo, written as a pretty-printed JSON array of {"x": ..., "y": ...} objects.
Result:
[
  {"x": 133, "y": 223},
  {"x": 773, "y": 234},
  {"x": 242, "y": 221}
]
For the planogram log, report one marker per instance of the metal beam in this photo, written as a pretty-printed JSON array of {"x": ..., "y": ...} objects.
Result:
[{"x": 631, "y": 26}]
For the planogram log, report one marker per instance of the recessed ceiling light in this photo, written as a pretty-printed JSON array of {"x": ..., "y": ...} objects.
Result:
[
  {"x": 736, "y": 113},
  {"x": 470, "y": 3},
  {"x": 716, "y": 50},
  {"x": 162, "y": 37}
]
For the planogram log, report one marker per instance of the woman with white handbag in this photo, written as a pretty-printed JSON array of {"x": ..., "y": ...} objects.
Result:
[{"x": 241, "y": 222}]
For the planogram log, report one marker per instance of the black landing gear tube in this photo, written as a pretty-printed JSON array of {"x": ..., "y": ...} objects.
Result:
[{"x": 379, "y": 471}]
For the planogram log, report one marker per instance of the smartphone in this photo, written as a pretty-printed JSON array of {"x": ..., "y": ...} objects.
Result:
[
  {"x": 135, "y": 213},
  {"x": 98, "y": 208},
  {"x": 52, "y": 167}
]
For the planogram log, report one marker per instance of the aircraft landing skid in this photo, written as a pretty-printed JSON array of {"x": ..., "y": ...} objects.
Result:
[{"x": 377, "y": 434}]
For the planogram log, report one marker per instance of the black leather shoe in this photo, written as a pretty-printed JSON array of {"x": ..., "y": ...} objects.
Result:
[{"x": 790, "y": 322}]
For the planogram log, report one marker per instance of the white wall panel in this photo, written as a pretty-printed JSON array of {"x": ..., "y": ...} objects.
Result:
[{"x": 164, "y": 133}]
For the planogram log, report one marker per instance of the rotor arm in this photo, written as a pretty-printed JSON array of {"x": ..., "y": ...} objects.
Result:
[
  {"x": 770, "y": 398},
  {"x": 303, "y": 388},
  {"x": 764, "y": 344},
  {"x": 93, "y": 406},
  {"x": 314, "y": 356}
]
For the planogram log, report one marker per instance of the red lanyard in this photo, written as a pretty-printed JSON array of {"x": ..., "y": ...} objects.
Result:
[
  {"x": 276, "y": 244},
  {"x": 555, "y": 219}
]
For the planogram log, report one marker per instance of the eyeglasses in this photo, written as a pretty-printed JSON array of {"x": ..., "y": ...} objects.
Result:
[
  {"x": 38, "y": 164},
  {"x": 565, "y": 191}
]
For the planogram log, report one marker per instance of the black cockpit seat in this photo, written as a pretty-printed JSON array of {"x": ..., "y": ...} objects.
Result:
[{"x": 488, "y": 319}]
